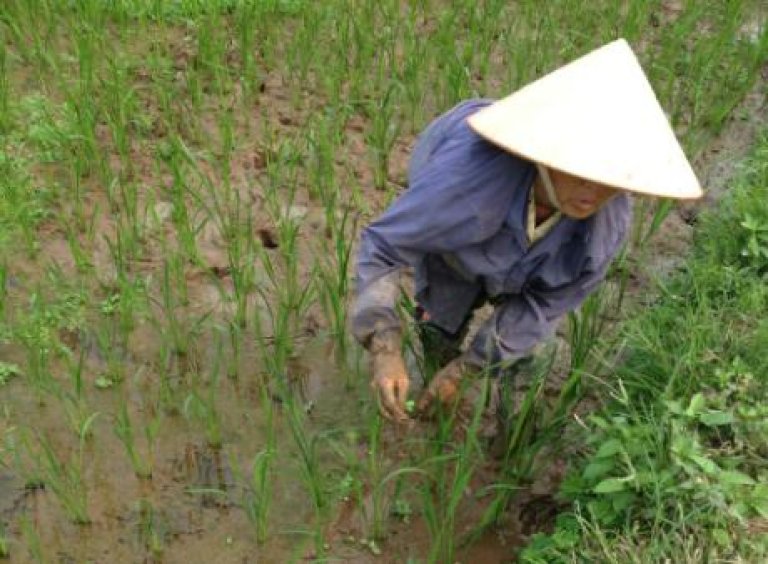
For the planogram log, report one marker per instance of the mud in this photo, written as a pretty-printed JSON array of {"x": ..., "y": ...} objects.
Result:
[{"x": 190, "y": 510}]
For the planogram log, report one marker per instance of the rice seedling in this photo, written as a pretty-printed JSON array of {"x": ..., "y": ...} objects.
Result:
[
  {"x": 307, "y": 446},
  {"x": 184, "y": 216},
  {"x": 5, "y": 542},
  {"x": 14, "y": 457},
  {"x": 112, "y": 356},
  {"x": 64, "y": 477},
  {"x": 32, "y": 540},
  {"x": 385, "y": 129},
  {"x": 522, "y": 442},
  {"x": 383, "y": 503},
  {"x": 257, "y": 495},
  {"x": 5, "y": 113},
  {"x": 203, "y": 408},
  {"x": 120, "y": 107},
  {"x": 124, "y": 430},
  {"x": 75, "y": 402},
  {"x": 3, "y": 289},
  {"x": 449, "y": 472},
  {"x": 131, "y": 131},
  {"x": 151, "y": 529},
  {"x": 235, "y": 222},
  {"x": 83, "y": 263},
  {"x": 179, "y": 333},
  {"x": 333, "y": 279},
  {"x": 248, "y": 27}
]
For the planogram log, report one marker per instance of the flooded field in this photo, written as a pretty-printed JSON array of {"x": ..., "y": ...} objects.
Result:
[{"x": 183, "y": 184}]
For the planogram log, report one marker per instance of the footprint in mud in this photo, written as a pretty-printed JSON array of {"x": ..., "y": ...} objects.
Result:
[
  {"x": 207, "y": 473},
  {"x": 537, "y": 513},
  {"x": 304, "y": 383},
  {"x": 151, "y": 528},
  {"x": 12, "y": 493}
]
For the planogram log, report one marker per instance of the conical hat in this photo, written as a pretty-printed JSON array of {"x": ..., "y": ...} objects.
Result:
[{"x": 597, "y": 118}]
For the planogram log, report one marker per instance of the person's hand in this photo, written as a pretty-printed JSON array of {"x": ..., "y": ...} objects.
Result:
[
  {"x": 390, "y": 378},
  {"x": 443, "y": 386}
]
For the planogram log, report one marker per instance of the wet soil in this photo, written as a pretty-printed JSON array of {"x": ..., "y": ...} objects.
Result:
[{"x": 191, "y": 508}]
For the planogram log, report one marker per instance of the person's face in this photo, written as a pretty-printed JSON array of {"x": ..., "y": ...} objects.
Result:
[{"x": 579, "y": 198}]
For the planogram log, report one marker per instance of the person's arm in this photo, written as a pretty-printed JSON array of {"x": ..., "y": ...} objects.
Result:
[
  {"x": 523, "y": 320},
  {"x": 511, "y": 333},
  {"x": 459, "y": 196},
  {"x": 460, "y": 188},
  {"x": 526, "y": 319}
]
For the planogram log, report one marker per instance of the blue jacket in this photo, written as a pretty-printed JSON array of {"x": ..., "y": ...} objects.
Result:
[{"x": 461, "y": 225}]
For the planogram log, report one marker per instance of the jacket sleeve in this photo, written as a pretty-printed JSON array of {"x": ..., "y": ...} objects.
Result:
[
  {"x": 524, "y": 320},
  {"x": 453, "y": 200}
]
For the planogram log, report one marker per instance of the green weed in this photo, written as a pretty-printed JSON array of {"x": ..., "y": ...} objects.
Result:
[
  {"x": 677, "y": 454},
  {"x": 155, "y": 153}
]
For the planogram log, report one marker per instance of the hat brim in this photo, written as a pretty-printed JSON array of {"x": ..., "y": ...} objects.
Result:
[{"x": 596, "y": 118}]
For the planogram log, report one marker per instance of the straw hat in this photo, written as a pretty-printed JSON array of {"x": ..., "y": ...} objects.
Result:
[{"x": 598, "y": 118}]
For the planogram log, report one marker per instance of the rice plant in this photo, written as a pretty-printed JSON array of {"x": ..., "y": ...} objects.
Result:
[{"x": 182, "y": 185}]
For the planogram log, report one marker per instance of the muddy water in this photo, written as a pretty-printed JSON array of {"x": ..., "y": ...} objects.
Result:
[{"x": 190, "y": 510}]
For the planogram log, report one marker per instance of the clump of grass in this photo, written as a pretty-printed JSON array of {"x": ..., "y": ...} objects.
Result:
[
  {"x": 32, "y": 539},
  {"x": 203, "y": 407},
  {"x": 8, "y": 370},
  {"x": 256, "y": 498},
  {"x": 151, "y": 529},
  {"x": 5, "y": 542},
  {"x": 333, "y": 279},
  {"x": 449, "y": 473},
  {"x": 678, "y": 452},
  {"x": 125, "y": 431},
  {"x": 109, "y": 108},
  {"x": 64, "y": 477}
]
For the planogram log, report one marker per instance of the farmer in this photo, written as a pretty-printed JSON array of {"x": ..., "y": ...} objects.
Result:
[{"x": 520, "y": 203}]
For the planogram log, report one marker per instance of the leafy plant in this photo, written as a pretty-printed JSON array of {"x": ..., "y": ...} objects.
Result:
[
  {"x": 755, "y": 249},
  {"x": 7, "y": 371}
]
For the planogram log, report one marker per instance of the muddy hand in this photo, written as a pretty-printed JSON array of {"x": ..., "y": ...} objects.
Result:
[
  {"x": 390, "y": 378},
  {"x": 443, "y": 386}
]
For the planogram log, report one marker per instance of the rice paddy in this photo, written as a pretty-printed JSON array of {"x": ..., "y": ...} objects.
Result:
[{"x": 182, "y": 184}]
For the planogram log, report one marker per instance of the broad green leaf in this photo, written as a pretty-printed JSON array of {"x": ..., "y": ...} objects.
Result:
[
  {"x": 760, "y": 506},
  {"x": 697, "y": 404},
  {"x": 705, "y": 464},
  {"x": 675, "y": 407},
  {"x": 597, "y": 469},
  {"x": 609, "y": 448},
  {"x": 599, "y": 422},
  {"x": 734, "y": 477},
  {"x": 102, "y": 383},
  {"x": 611, "y": 485},
  {"x": 622, "y": 500},
  {"x": 565, "y": 539},
  {"x": 716, "y": 418},
  {"x": 721, "y": 537}
]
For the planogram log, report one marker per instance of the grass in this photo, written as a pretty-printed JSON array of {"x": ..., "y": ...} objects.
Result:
[
  {"x": 181, "y": 187},
  {"x": 675, "y": 466}
]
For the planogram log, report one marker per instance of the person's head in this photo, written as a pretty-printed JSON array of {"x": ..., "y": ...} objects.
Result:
[
  {"x": 595, "y": 118},
  {"x": 575, "y": 197}
]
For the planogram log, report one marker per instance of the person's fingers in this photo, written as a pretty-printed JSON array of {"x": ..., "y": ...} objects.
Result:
[
  {"x": 426, "y": 399},
  {"x": 388, "y": 403},
  {"x": 393, "y": 405},
  {"x": 377, "y": 393},
  {"x": 402, "y": 391},
  {"x": 446, "y": 391},
  {"x": 443, "y": 387}
]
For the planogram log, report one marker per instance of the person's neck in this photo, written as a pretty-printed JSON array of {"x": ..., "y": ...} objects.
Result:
[{"x": 543, "y": 210}]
